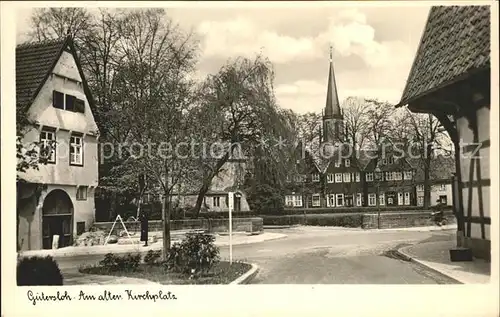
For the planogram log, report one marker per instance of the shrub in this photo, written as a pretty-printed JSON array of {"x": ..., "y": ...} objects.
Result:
[
  {"x": 194, "y": 255},
  {"x": 127, "y": 262},
  {"x": 152, "y": 257},
  {"x": 38, "y": 271}
]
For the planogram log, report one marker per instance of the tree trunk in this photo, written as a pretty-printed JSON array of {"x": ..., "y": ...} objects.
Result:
[
  {"x": 165, "y": 211},
  {"x": 207, "y": 181},
  {"x": 201, "y": 196}
]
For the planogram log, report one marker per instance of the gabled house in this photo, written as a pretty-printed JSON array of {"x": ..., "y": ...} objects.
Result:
[
  {"x": 442, "y": 169},
  {"x": 230, "y": 179},
  {"x": 58, "y": 198},
  {"x": 450, "y": 78},
  {"x": 304, "y": 183},
  {"x": 343, "y": 179},
  {"x": 390, "y": 181}
]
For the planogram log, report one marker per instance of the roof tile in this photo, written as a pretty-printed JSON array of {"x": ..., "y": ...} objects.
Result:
[{"x": 455, "y": 42}]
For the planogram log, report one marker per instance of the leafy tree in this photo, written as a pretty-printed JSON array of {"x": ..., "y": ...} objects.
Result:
[{"x": 239, "y": 98}]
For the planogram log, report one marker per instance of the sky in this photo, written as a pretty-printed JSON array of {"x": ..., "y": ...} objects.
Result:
[{"x": 373, "y": 45}]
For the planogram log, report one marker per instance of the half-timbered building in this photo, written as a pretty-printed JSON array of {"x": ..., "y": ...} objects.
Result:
[{"x": 450, "y": 78}]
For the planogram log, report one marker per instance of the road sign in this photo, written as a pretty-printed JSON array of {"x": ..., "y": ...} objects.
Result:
[{"x": 230, "y": 196}]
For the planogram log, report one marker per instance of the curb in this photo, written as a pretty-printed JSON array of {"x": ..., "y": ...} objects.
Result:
[
  {"x": 405, "y": 256},
  {"x": 247, "y": 277}
]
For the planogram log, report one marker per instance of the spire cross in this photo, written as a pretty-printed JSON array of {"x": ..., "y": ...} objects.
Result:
[{"x": 331, "y": 53}]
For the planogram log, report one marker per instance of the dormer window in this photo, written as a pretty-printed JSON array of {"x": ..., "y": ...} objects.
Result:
[
  {"x": 347, "y": 162},
  {"x": 67, "y": 102}
]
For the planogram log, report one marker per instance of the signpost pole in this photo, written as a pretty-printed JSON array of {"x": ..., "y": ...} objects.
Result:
[{"x": 230, "y": 200}]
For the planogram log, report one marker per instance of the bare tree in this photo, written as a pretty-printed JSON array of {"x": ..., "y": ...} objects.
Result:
[
  {"x": 427, "y": 137},
  {"x": 52, "y": 23},
  {"x": 154, "y": 95},
  {"x": 357, "y": 121}
]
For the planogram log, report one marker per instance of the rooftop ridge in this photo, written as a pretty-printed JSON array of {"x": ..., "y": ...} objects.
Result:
[{"x": 34, "y": 43}]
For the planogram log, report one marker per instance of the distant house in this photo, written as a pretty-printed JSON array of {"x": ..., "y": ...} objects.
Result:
[
  {"x": 304, "y": 184},
  {"x": 58, "y": 198},
  {"x": 390, "y": 181},
  {"x": 450, "y": 78},
  {"x": 442, "y": 169},
  {"x": 230, "y": 179}
]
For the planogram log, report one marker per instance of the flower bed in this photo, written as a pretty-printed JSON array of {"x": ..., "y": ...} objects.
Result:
[
  {"x": 220, "y": 273},
  {"x": 195, "y": 260}
]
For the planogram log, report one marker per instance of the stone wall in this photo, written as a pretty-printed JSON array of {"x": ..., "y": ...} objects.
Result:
[
  {"x": 358, "y": 220},
  {"x": 402, "y": 220},
  {"x": 250, "y": 225}
]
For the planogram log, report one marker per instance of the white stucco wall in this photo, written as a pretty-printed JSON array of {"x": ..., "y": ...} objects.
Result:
[
  {"x": 466, "y": 136},
  {"x": 31, "y": 216},
  {"x": 42, "y": 112}
]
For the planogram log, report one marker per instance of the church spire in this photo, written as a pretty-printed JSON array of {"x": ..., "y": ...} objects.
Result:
[{"x": 332, "y": 107}]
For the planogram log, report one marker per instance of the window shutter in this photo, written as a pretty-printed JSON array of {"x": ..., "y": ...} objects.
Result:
[
  {"x": 70, "y": 103},
  {"x": 80, "y": 106},
  {"x": 57, "y": 99}
]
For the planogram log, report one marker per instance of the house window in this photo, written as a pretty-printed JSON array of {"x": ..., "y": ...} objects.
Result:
[
  {"x": 388, "y": 176},
  {"x": 297, "y": 201},
  {"x": 337, "y": 164},
  {"x": 369, "y": 177},
  {"x": 293, "y": 200},
  {"x": 390, "y": 160},
  {"x": 400, "y": 199},
  {"x": 67, "y": 102},
  {"x": 372, "y": 200},
  {"x": 381, "y": 199},
  {"x": 216, "y": 201},
  {"x": 338, "y": 178},
  {"x": 58, "y": 100},
  {"x": 408, "y": 175},
  {"x": 347, "y": 177},
  {"x": 378, "y": 176},
  {"x": 315, "y": 178},
  {"x": 398, "y": 176},
  {"x": 443, "y": 199},
  {"x": 420, "y": 201},
  {"x": 47, "y": 140},
  {"x": 288, "y": 179},
  {"x": 316, "y": 201},
  {"x": 340, "y": 200},
  {"x": 329, "y": 178},
  {"x": 442, "y": 187},
  {"x": 359, "y": 200},
  {"x": 420, "y": 188},
  {"x": 347, "y": 162},
  {"x": 358, "y": 177},
  {"x": 384, "y": 162},
  {"x": 330, "y": 200},
  {"x": 76, "y": 150},
  {"x": 300, "y": 178},
  {"x": 407, "y": 199},
  {"x": 81, "y": 193}
]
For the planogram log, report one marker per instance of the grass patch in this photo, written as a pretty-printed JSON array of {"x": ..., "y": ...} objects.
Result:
[{"x": 221, "y": 273}]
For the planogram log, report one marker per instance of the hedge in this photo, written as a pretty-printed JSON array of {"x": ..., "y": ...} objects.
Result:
[{"x": 335, "y": 220}]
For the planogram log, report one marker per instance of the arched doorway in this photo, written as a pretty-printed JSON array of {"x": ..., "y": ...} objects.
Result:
[{"x": 57, "y": 219}]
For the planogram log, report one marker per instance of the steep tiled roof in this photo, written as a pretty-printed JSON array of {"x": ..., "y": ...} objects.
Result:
[
  {"x": 454, "y": 44},
  {"x": 34, "y": 61},
  {"x": 442, "y": 167}
]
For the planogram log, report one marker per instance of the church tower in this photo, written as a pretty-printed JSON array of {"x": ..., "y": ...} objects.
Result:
[{"x": 333, "y": 120}]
